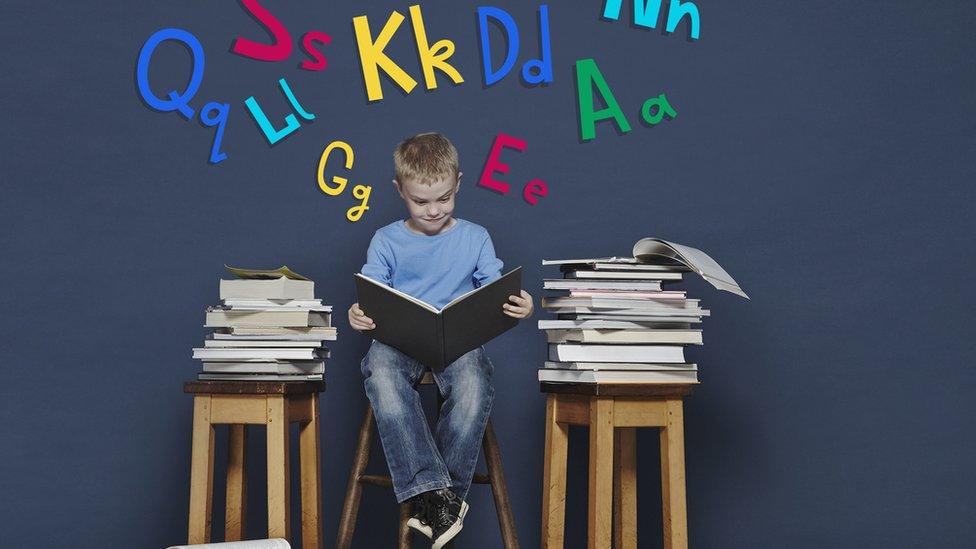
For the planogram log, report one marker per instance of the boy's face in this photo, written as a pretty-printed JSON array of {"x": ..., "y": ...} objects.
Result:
[{"x": 431, "y": 206}]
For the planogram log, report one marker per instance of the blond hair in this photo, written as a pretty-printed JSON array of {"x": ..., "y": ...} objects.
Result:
[{"x": 425, "y": 158}]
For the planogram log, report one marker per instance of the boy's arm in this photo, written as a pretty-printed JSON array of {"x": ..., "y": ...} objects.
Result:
[
  {"x": 489, "y": 267},
  {"x": 379, "y": 261}
]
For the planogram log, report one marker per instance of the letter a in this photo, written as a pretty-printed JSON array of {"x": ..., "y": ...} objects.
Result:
[
  {"x": 588, "y": 74},
  {"x": 372, "y": 58},
  {"x": 432, "y": 57}
]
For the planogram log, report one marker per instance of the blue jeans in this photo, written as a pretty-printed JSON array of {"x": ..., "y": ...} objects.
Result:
[{"x": 420, "y": 461}]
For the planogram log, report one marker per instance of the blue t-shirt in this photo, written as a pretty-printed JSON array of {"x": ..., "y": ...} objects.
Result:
[{"x": 434, "y": 269}]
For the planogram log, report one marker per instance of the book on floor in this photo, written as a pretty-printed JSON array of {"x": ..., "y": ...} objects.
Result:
[{"x": 438, "y": 337}]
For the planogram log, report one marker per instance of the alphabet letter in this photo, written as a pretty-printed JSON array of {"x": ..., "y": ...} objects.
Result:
[
  {"x": 511, "y": 31},
  {"x": 371, "y": 56},
  {"x": 663, "y": 108},
  {"x": 361, "y": 192},
  {"x": 432, "y": 57},
  {"x": 544, "y": 63},
  {"x": 588, "y": 74},
  {"x": 646, "y": 12},
  {"x": 677, "y": 11},
  {"x": 308, "y": 44},
  {"x": 177, "y": 101},
  {"x": 339, "y": 181},
  {"x": 215, "y": 114},
  {"x": 278, "y": 51},
  {"x": 493, "y": 165},
  {"x": 534, "y": 188}
]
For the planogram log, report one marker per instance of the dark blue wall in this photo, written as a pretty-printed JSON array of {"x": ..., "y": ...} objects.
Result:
[{"x": 823, "y": 153}]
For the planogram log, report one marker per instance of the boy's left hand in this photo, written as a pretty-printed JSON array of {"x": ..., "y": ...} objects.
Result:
[{"x": 518, "y": 307}]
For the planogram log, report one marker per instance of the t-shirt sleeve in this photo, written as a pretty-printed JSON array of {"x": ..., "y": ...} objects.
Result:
[
  {"x": 379, "y": 260},
  {"x": 489, "y": 267}
]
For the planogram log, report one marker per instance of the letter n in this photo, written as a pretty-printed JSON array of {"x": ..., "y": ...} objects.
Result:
[{"x": 646, "y": 12}]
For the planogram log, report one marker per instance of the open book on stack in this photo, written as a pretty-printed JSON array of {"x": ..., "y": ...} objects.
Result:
[
  {"x": 620, "y": 319},
  {"x": 268, "y": 327}
]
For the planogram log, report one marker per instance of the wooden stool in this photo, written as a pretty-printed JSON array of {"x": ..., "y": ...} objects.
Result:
[
  {"x": 613, "y": 412},
  {"x": 358, "y": 477},
  {"x": 274, "y": 404}
]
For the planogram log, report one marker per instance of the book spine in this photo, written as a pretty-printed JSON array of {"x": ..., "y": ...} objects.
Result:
[{"x": 441, "y": 342}]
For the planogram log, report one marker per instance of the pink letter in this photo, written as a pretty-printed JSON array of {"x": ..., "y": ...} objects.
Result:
[
  {"x": 493, "y": 165},
  {"x": 534, "y": 188}
]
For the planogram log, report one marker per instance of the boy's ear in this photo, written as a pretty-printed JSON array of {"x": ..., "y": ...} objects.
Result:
[
  {"x": 457, "y": 186},
  {"x": 396, "y": 185}
]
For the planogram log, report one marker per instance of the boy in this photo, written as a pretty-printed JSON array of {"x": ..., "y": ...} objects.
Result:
[{"x": 435, "y": 257}]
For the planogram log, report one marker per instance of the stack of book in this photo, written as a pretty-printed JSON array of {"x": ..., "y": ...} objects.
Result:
[
  {"x": 266, "y": 329},
  {"x": 619, "y": 321}
]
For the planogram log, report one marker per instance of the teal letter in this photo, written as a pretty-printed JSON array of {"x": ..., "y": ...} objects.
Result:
[
  {"x": 273, "y": 136},
  {"x": 588, "y": 74},
  {"x": 677, "y": 11},
  {"x": 294, "y": 102},
  {"x": 646, "y": 12}
]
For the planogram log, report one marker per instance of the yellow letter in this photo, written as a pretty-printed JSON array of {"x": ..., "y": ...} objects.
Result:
[
  {"x": 432, "y": 57},
  {"x": 371, "y": 56},
  {"x": 361, "y": 192},
  {"x": 339, "y": 181}
]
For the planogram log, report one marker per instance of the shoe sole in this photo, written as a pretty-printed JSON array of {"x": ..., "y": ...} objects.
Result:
[
  {"x": 448, "y": 535},
  {"x": 426, "y": 530}
]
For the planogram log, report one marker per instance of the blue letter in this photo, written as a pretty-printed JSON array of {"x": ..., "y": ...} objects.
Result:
[
  {"x": 177, "y": 101},
  {"x": 678, "y": 10},
  {"x": 544, "y": 64},
  {"x": 510, "y": 29},
  {"x": 215, "y": 114}
]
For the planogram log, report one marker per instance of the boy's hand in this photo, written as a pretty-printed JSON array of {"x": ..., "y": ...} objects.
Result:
[
  {"x": 518, "y": 307},
  {"x": 358, "y": 319}
]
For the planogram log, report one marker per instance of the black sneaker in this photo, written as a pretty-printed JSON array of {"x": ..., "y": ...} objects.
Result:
[
  {"x": 418, "y": 519},
  {"x": 445, "y": 516}
]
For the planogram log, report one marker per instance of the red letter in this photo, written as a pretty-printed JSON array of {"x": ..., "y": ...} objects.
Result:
[
  {"x": 308, "y": 45},
  {"x": 534, "y": 188},
  {"x": 278, "y": 51},
  {"x": 492, "y": 165}
]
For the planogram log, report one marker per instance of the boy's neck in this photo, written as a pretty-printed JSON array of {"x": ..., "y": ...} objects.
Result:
[{"x": 410, "y": 227}]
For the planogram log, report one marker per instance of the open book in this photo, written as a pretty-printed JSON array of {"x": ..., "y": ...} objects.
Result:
[
  {"x": 438, "y": 337},
  {"x": 650, "y": 253}
]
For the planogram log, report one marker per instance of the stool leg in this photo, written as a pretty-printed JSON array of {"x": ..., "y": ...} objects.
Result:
[
  {"x": 625, "y": 488},
  {"x": 499, "y": 490},
  {"x": 554, "y": 478},
  {"x": 404, "y": 537},
  {"x": 354, "y": 490},
  {"x": 309, "y": 448},
  {"x": 601, "y": 473},
  {"x": 279, "y": 486},
  {"x": 673, "y": 478},
  {"x": 236, "y": 508},
  {"x": 201, "y": 472}
]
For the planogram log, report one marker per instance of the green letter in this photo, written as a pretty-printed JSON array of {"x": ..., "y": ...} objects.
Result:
[{"x": 587, "y": 74}]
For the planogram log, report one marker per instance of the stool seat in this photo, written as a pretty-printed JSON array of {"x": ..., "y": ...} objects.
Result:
[
  {"x": 613, "y": 412},
  {"x": 275, "y": 405}
]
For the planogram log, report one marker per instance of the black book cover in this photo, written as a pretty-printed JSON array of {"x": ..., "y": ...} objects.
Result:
[{"x": 436, "y": 338}]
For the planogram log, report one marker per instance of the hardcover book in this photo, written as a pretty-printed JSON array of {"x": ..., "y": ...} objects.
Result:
[{"x": 438, "y": 337}]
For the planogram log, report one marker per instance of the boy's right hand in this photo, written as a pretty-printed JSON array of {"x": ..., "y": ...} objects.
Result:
[{"x": 358, "y": 319}]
